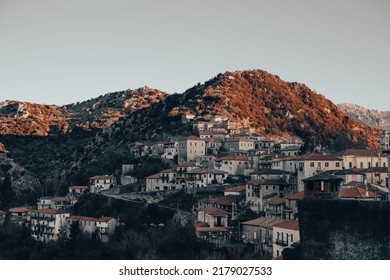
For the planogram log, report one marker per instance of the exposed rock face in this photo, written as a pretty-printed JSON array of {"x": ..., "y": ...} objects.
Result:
[
  {"x": 24, "y": 118},
  {"x": 369, "y": 117}
]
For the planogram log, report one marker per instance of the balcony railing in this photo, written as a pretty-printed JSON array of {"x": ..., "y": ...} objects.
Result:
[{"x": 281, "y": 242}]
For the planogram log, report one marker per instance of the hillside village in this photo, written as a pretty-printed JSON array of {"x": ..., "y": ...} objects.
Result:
[{"x": 246, "y": 186}]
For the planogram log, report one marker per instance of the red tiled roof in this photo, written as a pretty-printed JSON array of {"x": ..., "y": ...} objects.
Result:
[
  {"x": 226, "y": 200},
  {"x": 214, "y": 211},
  {"x": 186, "y": 164},
  {"x": 314, "y": 156},
  {"x": 236, "y": 189},
  {"x": 82, "y": 218},
  {"x": 48, "y": 211},
  {"x": 154, "y": 176},
  {"x": 276, "y": 201},
  {"x": 18, "y": 210},
  {"x": 296, "y": 196},
  {"x": 102, "y": 177},
  {"x": 262, "y": 222},
  {"x": 358, "y": 153},
  {"x": 357, "y": 193},
  {"x": 288, "y": 224},
  {"x": 193, "y": 138},
  {"x": 170, "y": 170},
  {"x": 105, "y": 219}
]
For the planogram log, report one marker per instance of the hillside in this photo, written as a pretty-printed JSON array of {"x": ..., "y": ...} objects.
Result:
[
  {"x": 369, "y": 117},
  {"x": 24, "y": 118}
]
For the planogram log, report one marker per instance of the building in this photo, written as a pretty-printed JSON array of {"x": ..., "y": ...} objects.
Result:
[
  {"x": 203, "y": 177},
  {"x": 101, "y": 183},
  {"x": 239, "y": 144},
  {"x": 274, "y": 208},
  {"x": 59, "y": 203},
  {"x": 170, "y": 150},
  {"x": 97, "y": 228},
  {"x": 322, "y": 186},
  {"x": 291, "y": 207},
  {"x": 19, "y": 215},
  {"x": 233, "y": 165},
  {"x": 48, "y": 224},
  {"x": 78, "y": 190},
  {"x": 260, "y": 191},
  {"x": 384, "y": 141},
  {"x": 239, "y": 191},
  {"x": 362, "y": 158},
  {"x": 213, "y": 217},
  {"x": 189, "y": 148},
  {"x": 284, "y": 234}
]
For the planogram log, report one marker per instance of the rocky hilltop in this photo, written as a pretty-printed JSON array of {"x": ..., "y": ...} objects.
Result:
[
  {"x": 24, "y": 118},
  {"x": 369, "y": 117}
]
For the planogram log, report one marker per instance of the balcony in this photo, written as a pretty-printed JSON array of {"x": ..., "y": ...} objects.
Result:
[{"x": 281, "y": 242}]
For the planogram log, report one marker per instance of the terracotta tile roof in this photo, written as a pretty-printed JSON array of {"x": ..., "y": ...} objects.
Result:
[
  {"x": 18, "y": 210},
  {"x": 320, "y": 157},
  {"x": 236, "y": 189},
  {"x": 296, "y": 196},
  {"x": 214, "y": 211},
  {"x": 48, "y": 211},
  {"x": 263, "y": 222},
  {"x": 359, "y": 153},
  {"x": 170, "y": 170},
  {"x": 236, "y": 158},
  {"x": 276, "y": 201},
  {"x": 193, "y": 138},
  {"x": 200, "y": 224},
  {"x": 154, "y": 176},
  {"x": 212, "y": 133},
  {"x": 357, "y": 193},
  {"x": 226, "y": 200},
  {"x": 82, "y": 218},
  {"x": 102, "y": 177},
  {"x": 288, "y": 224},
  {"x": 105, "y": 219}
]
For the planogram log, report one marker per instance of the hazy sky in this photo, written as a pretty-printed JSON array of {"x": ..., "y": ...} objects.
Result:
[{"x": 63, "y": 51}]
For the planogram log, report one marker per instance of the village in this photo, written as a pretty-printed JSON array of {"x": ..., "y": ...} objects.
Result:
[{"x": 247, "y": 186}]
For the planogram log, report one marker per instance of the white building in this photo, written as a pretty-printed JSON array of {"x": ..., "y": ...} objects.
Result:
[
  {"x": 203, "y": 177},
  {"x": 100, "y": 228},
  {"x": 101, "y": 183},
  {"x": 283, "y": 235},
  {"x": 239, "y": 144},
  {"x": 48, "y": 224},
  {"x": 234, "y": 165}
]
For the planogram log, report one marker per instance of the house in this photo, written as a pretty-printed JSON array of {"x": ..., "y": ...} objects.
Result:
[
  {"x": 19, "y": 215},
  {"x": 203, "y": 177},
  {"x": 239, "y": 144},
  {"x": 265, "y": 143},
  {"x": 384, "y": 141},
  {"x": 227, "y": 203},
  {"x": 170, "y": 150},
  {"x": 105, "y": 227},
  {"x": 274, "y": 208},
  {"x": 218, "y": 236},
  {"x": 239, "y": 191},
  {"x": 260, "y": 191},
  {"x": 219, "y": 135},
  {"x": 322, "y": 186},
  {"x": 189, "y": 148},
  {"x": 59, "y": 203},
  {"x": 138, "y": 150},
  {"x": 213, "y": 145},
  {"x": 362, "y": 158},
  {"x": 48, "y": 224},
  {"x": 287, "y": 148},
  {"x": 233, "y": 165},
  {"x": 274, "y": 174},
  {"x": 101, "y": 183},
  {"x": 213, "y": 217},
  {"x": 358, "y": 193},
  {"x": 78, "y": 190},
  {"x": 100, "y": 228},
  {"x": 284, "y": 234},
  {"x": 259, "y": 233},
  {"x": 291, "y": 207}
]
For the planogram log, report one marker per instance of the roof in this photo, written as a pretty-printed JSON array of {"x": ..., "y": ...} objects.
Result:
[
  {"x": 322, "y": 177},
  {"x": 270, "y": 195},
  {"x": 18, "y": 210},
  {"x": 105, "y": 219},
  {"x": 243, "y": 158},
  {"x": 78, "y": 187},
  {"x": 214, "y": 211},
  {"x": 344, "y": 172},
  {"x": 357, "y": 193},
  {"x": 64, "y": 198},
  {"x": 314, "y": 156},
  {"x": 170, "y": 170},
  {"x": 236, "y": 189},
  {"x": 288, "y": 224},
  {"x": 82, "y": 218},
  {"x": 101, "y": 177},
  {"x": 154, "y": 176},
  {"x": 212, "y": 133},
  {"x": 354, "y": 184},
  {"x": 296, "y": 196},
  {"x": 48, "y": 211},
  {"x": 358, "y": 153},
  {"x": 268, "y": 182},
  {"x": 226, "y": 200},
  {"x": 276, "y": 201},
  {"x": 239, "y": 140},
  {"x": 262, "y": 222},
  {"x": 192, "y": 138}
]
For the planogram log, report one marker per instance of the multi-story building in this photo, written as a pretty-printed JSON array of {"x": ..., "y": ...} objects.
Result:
[
  {"x": 234, "y": 165},
  {"x": 362, "y": 158},
  {"x": 239, "y": 144},
  {"x": 189, "y": 148},
  {"x": 291, "y": 207},
  {"x": 284, "y": 234},
  {"x": 99, "y": 228},
  {"x": 48, "y": 224},
  {"x": 203, "y": 177}
]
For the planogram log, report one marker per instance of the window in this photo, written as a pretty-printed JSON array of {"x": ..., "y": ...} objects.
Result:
[
  {"x": 337, "y": 164},
  {"x": 326, "y": 164},
  {"x": 311, "y": 164},
  {"x": 319, "y": 164},
  {"x": 361, "y": 164},
  {"x": 350, "y": 164}
]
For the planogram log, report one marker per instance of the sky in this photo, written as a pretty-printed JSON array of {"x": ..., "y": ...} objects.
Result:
[{"x": 64, "y": 51}]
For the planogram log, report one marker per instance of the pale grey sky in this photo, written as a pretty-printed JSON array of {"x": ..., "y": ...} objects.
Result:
[{"x": 63, "y": 51}]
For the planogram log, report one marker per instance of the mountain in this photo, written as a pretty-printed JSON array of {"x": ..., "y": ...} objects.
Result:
[
  {"x": 24, "y": 118},
  {"x": 65, "y": 145},
  {"x": 369, "y": 117}
]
